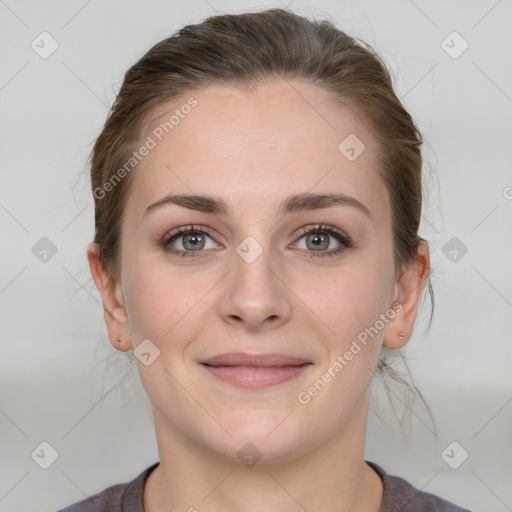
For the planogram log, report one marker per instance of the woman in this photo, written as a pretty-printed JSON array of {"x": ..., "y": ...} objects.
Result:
[{"x": 258, "y": 196}]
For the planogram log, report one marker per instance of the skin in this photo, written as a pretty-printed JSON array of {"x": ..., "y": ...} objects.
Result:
[{"x": 253, "y": 149}]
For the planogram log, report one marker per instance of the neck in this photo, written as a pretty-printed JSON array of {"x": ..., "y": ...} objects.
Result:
[{"x": 332, "y": 478}]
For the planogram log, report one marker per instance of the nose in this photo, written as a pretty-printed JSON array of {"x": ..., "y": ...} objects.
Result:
[{"x": 255, "y": 295}]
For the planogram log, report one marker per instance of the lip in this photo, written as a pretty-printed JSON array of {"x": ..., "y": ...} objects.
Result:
[
  {"x": 255, "y": 371},
  {"x": 260, "y": 360}
]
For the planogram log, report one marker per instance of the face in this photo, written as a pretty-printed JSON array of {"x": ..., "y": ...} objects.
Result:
[{"x": 266, "y": 266}]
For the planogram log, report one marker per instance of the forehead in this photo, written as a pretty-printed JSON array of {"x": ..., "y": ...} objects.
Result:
[{"x": 280, "y": 138}]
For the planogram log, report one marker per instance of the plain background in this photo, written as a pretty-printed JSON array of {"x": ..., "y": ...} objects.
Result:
[{"x": 62, "y": 383}]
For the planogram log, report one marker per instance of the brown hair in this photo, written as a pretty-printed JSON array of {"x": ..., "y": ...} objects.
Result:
[{"x": 244, "y": 50}]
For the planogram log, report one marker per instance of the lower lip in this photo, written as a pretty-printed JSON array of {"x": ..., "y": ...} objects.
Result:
[{"x": 254, "y": 377}]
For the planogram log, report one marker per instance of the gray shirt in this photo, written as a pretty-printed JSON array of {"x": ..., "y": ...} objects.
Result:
[{"x": 399, "y": 496}]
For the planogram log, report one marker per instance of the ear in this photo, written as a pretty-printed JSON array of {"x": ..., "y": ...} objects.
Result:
[
  {"x": 407, "y": 293},
  {"x": 113, "y": 302}
]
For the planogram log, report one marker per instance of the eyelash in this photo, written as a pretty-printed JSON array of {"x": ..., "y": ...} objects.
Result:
[{"x": 341, "y": 237}]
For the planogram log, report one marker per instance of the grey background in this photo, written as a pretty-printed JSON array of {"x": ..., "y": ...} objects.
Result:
[{"x": 62, "y": 383}]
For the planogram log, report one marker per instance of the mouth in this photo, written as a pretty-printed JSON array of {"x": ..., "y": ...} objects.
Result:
[{"x": 255, "y": 371}]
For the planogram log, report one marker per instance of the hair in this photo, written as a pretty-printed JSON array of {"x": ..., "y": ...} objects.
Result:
[{"x": 245, "y": 50}]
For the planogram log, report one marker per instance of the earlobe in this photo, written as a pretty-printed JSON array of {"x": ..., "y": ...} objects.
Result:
[
  {"x": 115, "y": 315},
  {"x": 408, "y": 290}
]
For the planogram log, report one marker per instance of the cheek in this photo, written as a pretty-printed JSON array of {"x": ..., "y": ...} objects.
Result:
[
  {"x": 350, "y": 301},
  {"x": 351, "y": 305},
  {"x": 165, "y": 305}
]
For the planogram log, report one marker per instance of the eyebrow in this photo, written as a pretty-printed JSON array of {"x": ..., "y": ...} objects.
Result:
[{"x": 292, "y": 204}]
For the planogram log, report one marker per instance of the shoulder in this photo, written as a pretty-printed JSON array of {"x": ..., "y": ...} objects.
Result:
[
  {"x": 401, "y": 496},
  {"x": 125, "y": 497}
]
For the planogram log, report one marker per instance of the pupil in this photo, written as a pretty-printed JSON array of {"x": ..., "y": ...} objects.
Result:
[
  {"x": 194, "y": 240},
  {"x": 319, "y": 239}
]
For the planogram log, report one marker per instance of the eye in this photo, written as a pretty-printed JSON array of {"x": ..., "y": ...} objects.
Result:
[
  {"x": 190, "y": 241},
  {"x": 319, "y": 238},
  {"x": 187, "y": 240}
]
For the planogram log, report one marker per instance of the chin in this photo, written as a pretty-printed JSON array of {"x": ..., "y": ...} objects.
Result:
[{"x": 263, "y": 440}]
